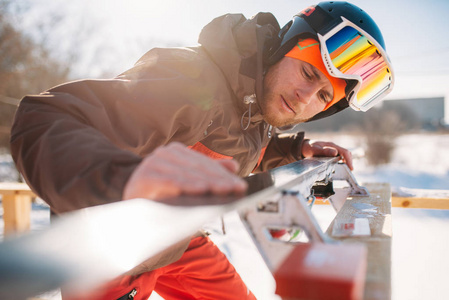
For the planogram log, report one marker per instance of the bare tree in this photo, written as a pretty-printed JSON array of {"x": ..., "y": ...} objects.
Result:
[
  {"x": 25, "y": 67},
  {"x": 381, "y": 128}
]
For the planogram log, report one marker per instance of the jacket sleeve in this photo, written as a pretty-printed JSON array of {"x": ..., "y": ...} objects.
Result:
[
  {"x": 281, "y": 150},
  {"x": 77, "y": 144}
]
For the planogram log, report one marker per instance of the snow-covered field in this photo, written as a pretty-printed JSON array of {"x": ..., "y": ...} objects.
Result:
[{"x": 420, "y": 262}]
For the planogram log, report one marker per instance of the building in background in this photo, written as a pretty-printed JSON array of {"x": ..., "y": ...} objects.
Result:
[
  {"x": 429, "y": 112},
  {"x": 406, "y": 115}
]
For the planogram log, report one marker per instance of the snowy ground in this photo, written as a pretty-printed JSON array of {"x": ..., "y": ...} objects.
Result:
[{"x": 420, "y": 243}]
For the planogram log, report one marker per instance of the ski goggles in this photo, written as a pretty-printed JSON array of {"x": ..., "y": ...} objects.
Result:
[{"x": 350, "y": 53}]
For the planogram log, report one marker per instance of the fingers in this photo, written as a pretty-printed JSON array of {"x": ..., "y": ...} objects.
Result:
[
  {"x": 347, "y": 157},
  {"x": 193, "y": 166},
  {"x": 329, "y": 151},
  {"x": 174, "y": 169},
  {"x": 345, "y": 154},
  {"x": 318, "y": 148}
]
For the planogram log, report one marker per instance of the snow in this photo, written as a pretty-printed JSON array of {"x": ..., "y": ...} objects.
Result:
[
  {"x": 420, "y": 241},
  {"x": 419, "y": 162}
]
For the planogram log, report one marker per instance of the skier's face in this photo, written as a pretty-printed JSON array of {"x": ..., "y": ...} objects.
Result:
[{"x": 294, "y": 91}]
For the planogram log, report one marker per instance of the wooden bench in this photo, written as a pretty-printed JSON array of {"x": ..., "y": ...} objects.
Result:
[
  {"x": 16, "y": 200},
  {"x": 378, "y": 243}
]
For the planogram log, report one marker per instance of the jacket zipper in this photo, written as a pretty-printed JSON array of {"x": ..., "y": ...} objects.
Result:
[{"x": 132, "y": 294}]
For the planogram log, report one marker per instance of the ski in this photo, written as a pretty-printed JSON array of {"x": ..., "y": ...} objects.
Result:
[{"x": 88, "y": 247}]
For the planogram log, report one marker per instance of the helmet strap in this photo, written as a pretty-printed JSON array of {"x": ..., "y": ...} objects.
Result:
[{"x": 337, "y": 107}]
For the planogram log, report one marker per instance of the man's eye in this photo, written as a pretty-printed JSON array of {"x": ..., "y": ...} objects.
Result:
[
  {"x": 307, "y": 74},
  {"x": 324, "y": 98}
]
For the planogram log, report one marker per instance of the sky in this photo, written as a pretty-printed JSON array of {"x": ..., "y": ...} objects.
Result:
[{"x": 112, "y": 35}]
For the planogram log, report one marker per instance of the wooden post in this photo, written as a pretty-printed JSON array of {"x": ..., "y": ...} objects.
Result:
[{"x": 16, "y": 200}]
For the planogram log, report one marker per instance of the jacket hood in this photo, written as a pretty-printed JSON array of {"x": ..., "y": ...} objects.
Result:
[{"x": 236, "y": 45}]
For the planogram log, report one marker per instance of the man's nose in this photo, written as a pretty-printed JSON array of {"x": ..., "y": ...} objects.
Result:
[{"x": 306, "y": 94}]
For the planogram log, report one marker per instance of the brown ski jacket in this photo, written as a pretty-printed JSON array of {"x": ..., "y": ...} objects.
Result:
[{"x": 77, "y": 143}]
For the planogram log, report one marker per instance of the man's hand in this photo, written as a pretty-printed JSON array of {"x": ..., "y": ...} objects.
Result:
[
  {"x": 318, "y": 148},
  {"x": 174, "y": 169}
]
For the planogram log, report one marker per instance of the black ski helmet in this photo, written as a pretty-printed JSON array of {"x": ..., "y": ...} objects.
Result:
[{"x": 321, "y": 18}]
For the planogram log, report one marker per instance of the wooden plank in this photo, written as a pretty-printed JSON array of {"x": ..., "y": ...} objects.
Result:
[
  {"x": 409, "y": 202},
  {"x": 15, "y": 188},
  {"x": 378, "y": 213},
  {"x": 16, "y": 213},
  {"x": 420, "y": 198},
  {"x": 16, "y": 201},
  {"x": 420, "y": 202},
  {"x": 321, "y": 201}
]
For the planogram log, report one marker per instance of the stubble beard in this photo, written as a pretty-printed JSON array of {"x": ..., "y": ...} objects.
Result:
[{"x": 270, "y": 116}]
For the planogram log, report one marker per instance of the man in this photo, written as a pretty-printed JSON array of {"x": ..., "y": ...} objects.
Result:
[{"x": 139, "y": 135}]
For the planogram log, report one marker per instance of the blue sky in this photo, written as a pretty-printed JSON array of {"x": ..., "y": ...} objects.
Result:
[{"x": 415, "y": 31}]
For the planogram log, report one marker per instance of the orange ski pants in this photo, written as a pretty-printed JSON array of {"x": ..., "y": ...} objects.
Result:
[{"x": 203, "y": 272}]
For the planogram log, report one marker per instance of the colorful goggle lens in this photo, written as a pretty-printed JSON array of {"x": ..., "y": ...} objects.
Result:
[{"x": 353, "y": 54}]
